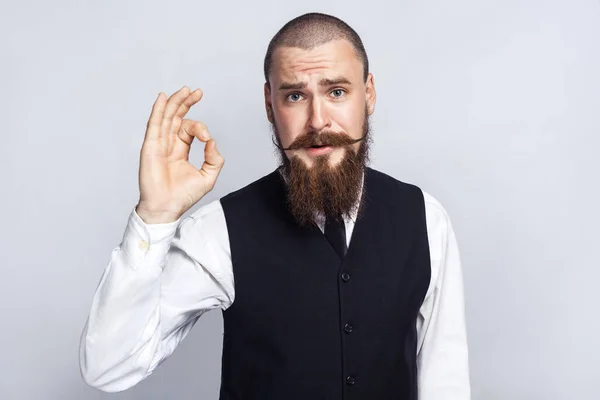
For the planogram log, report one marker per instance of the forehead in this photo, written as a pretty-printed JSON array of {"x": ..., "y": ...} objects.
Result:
[{"x": 332, "y": 59}]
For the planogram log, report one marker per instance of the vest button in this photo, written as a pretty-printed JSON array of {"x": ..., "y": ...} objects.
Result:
[
  {"x": 350, "y": 380},
  {"x": 348, "y": 328},
  {"x": 345, "y": 277}
]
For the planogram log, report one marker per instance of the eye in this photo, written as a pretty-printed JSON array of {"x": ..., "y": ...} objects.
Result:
[
  {"x": 337, "y": 93},
  {"x": 294, "y": 97}
]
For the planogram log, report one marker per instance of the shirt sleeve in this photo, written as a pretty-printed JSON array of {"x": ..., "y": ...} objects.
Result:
[
  {"x": 442, "y": 361},
  {"x": 158, "y": 282}
]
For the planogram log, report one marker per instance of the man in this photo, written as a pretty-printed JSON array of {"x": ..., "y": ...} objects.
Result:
[{"x": 336, "y": 281}]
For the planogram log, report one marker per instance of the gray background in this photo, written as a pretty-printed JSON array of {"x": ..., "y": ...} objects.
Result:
[{"x": 491, "y": 106}]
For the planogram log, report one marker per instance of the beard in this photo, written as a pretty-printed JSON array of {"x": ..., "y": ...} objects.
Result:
[{"x": 332, "y": 191}]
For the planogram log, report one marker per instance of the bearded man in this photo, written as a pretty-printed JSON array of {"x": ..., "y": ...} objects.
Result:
[{"x": 336, "y": 281}]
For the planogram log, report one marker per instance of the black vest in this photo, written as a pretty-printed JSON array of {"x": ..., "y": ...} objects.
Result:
[{"x": 305, "y": 325}]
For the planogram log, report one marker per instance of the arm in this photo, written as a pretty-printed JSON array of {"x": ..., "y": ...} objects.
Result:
[
  {"x": 158, "y": 282},
  {"x": 443, "y": 364}
]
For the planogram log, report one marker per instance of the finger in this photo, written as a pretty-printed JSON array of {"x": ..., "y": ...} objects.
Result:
[
  {"x": 189, "y": 101},
  {"x": 213, "y": 160},
  {"x": 172, "y": 105},
  {"x": 192, "y": 99},
  {"x": 187, "y": 132},
  {"x": 153, "y": 126},
  {"x": 193, "y": 129}
]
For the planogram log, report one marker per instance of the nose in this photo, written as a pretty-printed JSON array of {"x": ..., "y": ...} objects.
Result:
[{"x": 319, "y": 117}]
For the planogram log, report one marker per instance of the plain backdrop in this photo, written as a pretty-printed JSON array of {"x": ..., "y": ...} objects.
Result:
[{"x": 490, "y": 106}]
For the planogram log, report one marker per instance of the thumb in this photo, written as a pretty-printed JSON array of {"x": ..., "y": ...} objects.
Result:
[{"x": 213, "y": 160}]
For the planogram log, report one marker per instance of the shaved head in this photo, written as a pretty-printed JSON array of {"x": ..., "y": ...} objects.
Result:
[{"x": 314, "y": 29}]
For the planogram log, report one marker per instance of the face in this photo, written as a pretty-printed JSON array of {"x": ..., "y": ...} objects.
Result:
[
  {"x": 318, "y": 92},
  {"x": 318, "y": 104}
]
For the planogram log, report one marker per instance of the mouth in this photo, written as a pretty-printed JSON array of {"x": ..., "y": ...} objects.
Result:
[{"x": 319, "y": 150}]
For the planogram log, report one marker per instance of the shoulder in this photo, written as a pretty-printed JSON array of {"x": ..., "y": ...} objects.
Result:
[
  {"x": 390, "y": 182},
  {"x": 208, "y": 214},
  {"x": 401, "y": 197},
  {"x": 213, "y": 213},
  {"x": 209, "y": 220},
  {"x": 440, "y": 233},
  {"x": 259, "y": 185},
  {"x": 435, "y": 213},
  {"x": 433, "y": 207},
  {"x": 438, "y": 222},
  {"x": 202, "y": 226}
]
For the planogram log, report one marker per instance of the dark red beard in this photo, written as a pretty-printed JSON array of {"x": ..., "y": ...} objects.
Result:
[{"x": 331, "y": 191}]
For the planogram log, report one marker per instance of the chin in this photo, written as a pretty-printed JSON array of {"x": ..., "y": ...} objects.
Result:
[
  {"x": 335, "y": 157},
  {"x": 331, "y": 159}
]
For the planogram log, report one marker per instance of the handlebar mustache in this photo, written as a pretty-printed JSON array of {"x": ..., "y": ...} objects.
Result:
[{"x": 309, "y": 141}]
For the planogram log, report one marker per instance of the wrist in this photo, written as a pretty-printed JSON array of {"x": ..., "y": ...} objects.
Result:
[{"x": 156, "y": 217}]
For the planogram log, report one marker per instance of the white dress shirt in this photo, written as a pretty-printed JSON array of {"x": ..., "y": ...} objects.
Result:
[{"x": 163, "y": 277}]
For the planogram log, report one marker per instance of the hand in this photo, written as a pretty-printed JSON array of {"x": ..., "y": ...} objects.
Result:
[{"x": 169, "y": 184}]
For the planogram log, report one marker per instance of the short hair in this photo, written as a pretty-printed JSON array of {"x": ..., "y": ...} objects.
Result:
[{"x": 314, "y": 29}]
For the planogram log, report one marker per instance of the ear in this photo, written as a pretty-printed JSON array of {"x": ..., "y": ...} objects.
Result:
[
  {"x": 370, "y": 92},
  {"x": 268, "y": 103}
]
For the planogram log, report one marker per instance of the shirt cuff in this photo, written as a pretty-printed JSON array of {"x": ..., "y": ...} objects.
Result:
[{"x": 147, "y": 244}]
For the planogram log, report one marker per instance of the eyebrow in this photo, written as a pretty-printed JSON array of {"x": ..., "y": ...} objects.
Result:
[{"x": 323, "y": 82}]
